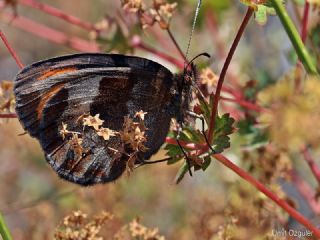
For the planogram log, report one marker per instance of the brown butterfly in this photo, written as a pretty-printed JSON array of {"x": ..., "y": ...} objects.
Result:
[{"x": 53, "y": 96}]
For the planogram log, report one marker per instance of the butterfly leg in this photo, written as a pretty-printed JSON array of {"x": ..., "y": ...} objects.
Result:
[
  {"x": 183, "y": 151},
  {"x": 144, "y": 162},
  {"x": 194, "y": 115}
]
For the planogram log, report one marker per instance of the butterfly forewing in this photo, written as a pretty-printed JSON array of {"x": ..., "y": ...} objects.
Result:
[{"x": 61, "y": 90}]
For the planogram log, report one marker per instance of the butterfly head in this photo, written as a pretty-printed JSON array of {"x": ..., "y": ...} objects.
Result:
[{"x": 188, "y": 79}]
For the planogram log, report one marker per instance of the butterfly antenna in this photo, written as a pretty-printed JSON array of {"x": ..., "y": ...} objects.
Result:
[{"x": 193, "y": 27}]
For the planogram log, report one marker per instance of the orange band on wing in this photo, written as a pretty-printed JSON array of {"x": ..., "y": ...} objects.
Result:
[
  {"x": 55, "y": 72},
  {"x": 46, "y": 97}
]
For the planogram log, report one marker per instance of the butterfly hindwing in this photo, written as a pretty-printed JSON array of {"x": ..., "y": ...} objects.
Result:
[{"x": 61, "y": 90}]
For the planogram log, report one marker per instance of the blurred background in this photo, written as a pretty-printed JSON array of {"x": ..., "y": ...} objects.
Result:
[{"x": 215, "y": 204}]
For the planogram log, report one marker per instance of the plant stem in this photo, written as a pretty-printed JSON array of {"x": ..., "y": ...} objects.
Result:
[
  {"x": 59, "y": 14},
  {"x": 11, "y": 50},
  {"x": 280, "y": 202},
  {"x": 4, "y": 230},
  {"x": 176, "y": 44},
  {"x": 313, "y": 166},
  {"x": 294, "y": 37},
  {"x": 244, "y": 103},
  {"x": 8, "y": 115},
  {"x": 50, "y": 34},
  {"x": 306, "y": 191},
  {"x": 304, "y": 27},
  {"x": 247, "y": 177},
  {"x": 224, "y": 71}
]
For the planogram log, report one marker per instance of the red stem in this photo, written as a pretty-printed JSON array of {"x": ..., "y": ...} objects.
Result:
[
  {"x": 11, "y": 50},
  {"x": 280, "y": 202},
  {"x": 303, "y": 34},
  {"x": 306, "y": 191},
  {"x": 176, "y": 44},
  {"x": 313, "y": 166},
  {"x": 304, "y": 27},
  {"x": 173, "y": 141},
  {"x": 8, "y": 115},
  {"x": 59, "y": 14},
  {"x": 137, "y": 43},
  {"x": 220, "y": 43},
  {"x": 244, "y": 103},
  {"x": 51, "y": 34},
  {"x": 232, "y": 91},
  {"x": 247, "y": 177},
  {"x": 224, "y": 71}
]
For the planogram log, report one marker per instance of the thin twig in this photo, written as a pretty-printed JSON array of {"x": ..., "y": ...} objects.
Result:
[
  {"x": 304, "y": 35},
  {"x": 176, "y": 44},
  {"x": 50, "y": 34},
  {"x": 280, "y": 202},
  {"x": 59, "y": 14},
  {"x": 212, "y": 26},
  {"x": 294, "y": 37},
  {"x": 224, "y": 71},
  {"x": 306, "y": 191},
  {"x": 313, "y": 166},
  {"x": 191, "y": 146},
  {"x": 8, "y": 115},
  {"x": 244, "y": 103},
  {"x": 304, "y": 26},
  {"x": 11, "y": 50}
]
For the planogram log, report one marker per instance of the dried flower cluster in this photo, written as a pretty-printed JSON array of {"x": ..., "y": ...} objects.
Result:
[
  {"x": 160, "y": 12},
  {"x": 297, "y": 113},
  {"x": 7, "y": 102},
  {"x": 246, "y": 214},
  {"x": 132, "y": 135},
  {"x": 75, "y": 138},
  {"x": 269, "y": 164},
  {"x": 228, "y": 229},
  {"x": 132, "y": 5},
  {"x": 96, "y": 123},
  {"x": 77, "y": 226},
  {"x": 315, "y": 2},
  {"x": 135, "y": 230}
]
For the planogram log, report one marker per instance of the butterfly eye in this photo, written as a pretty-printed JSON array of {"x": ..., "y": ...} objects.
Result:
[{"x": 188, "y": 77}]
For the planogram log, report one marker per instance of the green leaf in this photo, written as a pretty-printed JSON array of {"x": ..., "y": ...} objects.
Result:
[
  {"x": 4, "y": 230},
  {"x": 261, "y": 15},
  {"x": 223, "y": 128},
  {"x": 256, "y": 136},
  {"x": 245, "y": 126},
  {"x": 206, "y": 162},
  {"x": 182, "y": 171},
  {"x": 205, "y": 108},
  {"x": 262, "y": 10},
  {"x": 189, "y": 134},
  {"x": 173, "y": 151},
  {"x": 260, "y": 137}
]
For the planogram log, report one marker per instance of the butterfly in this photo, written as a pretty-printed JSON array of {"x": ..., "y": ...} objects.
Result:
[{"x": 57, "y": 97}]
